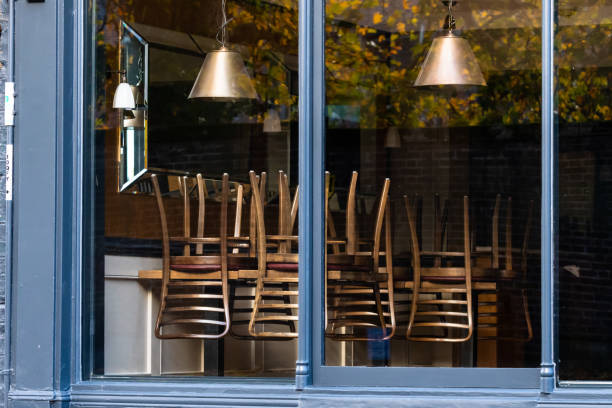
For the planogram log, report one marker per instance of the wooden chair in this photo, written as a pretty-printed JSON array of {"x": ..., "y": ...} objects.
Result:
[
  {"x": 448, "y": 305},
  {"x": 359, "y": 302},
  {"x": 513, "y": 281},
  {"x": 242, "y": 292},
  {"x": 198, "y": 306},
  {"x": 274, "y": 315}
]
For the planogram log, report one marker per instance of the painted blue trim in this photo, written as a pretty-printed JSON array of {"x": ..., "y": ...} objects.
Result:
[
  {"x": 184, "y": 393},
  {"x": 441, "y": 378},
  {"x": 8, "y": 278},
  {"x": 503, "y": 378},
  {"x": 84, "y": 97},
  {"x": 318, "y": 95},
  {"x": 48, "y": 180},
  {"x": 303, "y": 374},
  {"x": 38, "y": 127},
  {"x": 549, "y": 174}
]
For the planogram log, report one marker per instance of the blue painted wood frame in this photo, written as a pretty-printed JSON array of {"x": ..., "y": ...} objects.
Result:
[
  {"x": 43, "y": 245},
  {"x": 549, "y": 202},
  {"x": 50, "y": 135},
  {"x": 416, "y": 377}
]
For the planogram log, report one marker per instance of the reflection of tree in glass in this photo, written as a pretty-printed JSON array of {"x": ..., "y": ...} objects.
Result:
[{"x": 374, "y": 49}]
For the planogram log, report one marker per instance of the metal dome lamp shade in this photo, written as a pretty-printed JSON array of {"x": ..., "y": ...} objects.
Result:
[
  {"x": 272, "y": 122},
  {"x": 392, "y": 138},
  {"x": 450, "y": 60},
  {"x": 223, "y": 75},
  {"x": 124, "y": 97}
]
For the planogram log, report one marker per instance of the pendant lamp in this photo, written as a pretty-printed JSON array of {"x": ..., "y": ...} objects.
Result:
[
  {"x": 272, "y": 123},
  {"x": 392, "y": 138},
  {"x": 223, "y": 75},
  {"x": 450, "y": 60},
  {"x": 124, "y": 98}
]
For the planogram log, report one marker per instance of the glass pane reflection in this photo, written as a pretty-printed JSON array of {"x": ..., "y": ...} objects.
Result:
[
  {"x": 584, "y": 102},
  {"x": 432, "y": 192},
  {"x": 174, "y": 265}
]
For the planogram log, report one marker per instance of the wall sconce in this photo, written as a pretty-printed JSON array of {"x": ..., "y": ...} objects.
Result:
[{"x": 124, "y": 98}]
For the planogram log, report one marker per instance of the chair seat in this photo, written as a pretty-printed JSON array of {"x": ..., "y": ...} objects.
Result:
[
  {"x": 283, "y": 266},
  {"x": 348, "y": 267},
  {"x": 455, "y": 279},
  {"x": 201, "y": 268}
]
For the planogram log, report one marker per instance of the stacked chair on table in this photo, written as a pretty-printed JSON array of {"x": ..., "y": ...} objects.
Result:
[
  {"x": 359, "y": 303},
  {"x": 511, "y": 277},
  {"x": 195, "y": 292},
  {"x": 441, "y": 307},
  {"x": 275, "y": 309}
]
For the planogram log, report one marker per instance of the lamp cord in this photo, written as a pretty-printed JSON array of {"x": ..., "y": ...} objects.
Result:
[
  {"x": 224, "y": 22},
  {"x": 449, "y": 24}
]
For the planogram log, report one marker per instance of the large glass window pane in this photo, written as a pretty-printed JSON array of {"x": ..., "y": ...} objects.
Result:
[
  {"x": 433, "y": 183},
  {"x": 584, "y": 104},
  {"x": 191, "y": 189}
]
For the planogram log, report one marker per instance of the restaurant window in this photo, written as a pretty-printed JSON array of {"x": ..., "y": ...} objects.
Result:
[
  {"x": 432, "y": 183},
  {"x": 191, "y": 189},
  {"x": 584, "y": 115}
]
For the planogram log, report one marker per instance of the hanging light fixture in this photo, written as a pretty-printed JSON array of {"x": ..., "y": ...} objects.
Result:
[
  {"x": 124, "y": 97},
  {"x": 223, "y": 74},
  {"x": 392, "y": 138},
  {"x": 450, "y": 60},
  {"x": 272, "y": 122}
]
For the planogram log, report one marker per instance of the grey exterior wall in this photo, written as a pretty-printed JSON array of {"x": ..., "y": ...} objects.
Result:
[{"x": 3, "y": 137}]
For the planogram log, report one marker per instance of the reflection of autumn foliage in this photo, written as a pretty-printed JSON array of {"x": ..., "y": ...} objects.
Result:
[
  {"x": 374, "y": 49},
  {"x": 369, "y": 66}
]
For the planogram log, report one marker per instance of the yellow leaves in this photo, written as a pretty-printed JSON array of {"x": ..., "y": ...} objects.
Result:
[
  {"x": 415, "y": 9},
  {"x": 377, "y": 18},
  {"x": 401, "y": 27},
  {"x": 405, "y": 4}
]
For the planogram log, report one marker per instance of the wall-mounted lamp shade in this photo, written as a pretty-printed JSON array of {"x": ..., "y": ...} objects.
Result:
[
  {"x": 134, "y": 119},
  {"x": 392, "y": 138},
  {"x": 450, "y": 61},
  {"x": 223, "y": 76},
  {"x": 272, "y": 123},
  {"x": 124, "y": 98}
]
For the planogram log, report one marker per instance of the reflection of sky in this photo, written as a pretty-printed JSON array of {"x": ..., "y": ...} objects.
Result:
[{"x": 343, "y": 116}]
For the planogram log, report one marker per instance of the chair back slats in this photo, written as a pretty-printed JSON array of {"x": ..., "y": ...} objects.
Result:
[
  {"x": 495, "y": 234},
  {"x": 508, "y": 233},
  {"x": 351, "y": 227},
  {"x": 238, "y": 216},
  {"x": 526, "y": 235},
  {"x": 201, "y": 212},
  {"x": 195, "y": 308},
  {"x": 185, "y": 193},
  {"x": 294, "y": 209}
]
